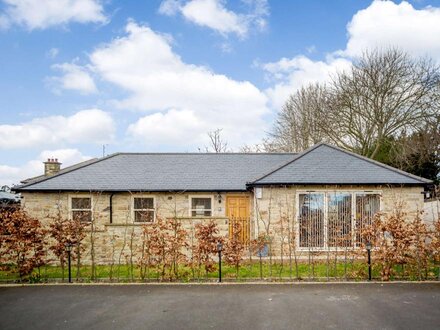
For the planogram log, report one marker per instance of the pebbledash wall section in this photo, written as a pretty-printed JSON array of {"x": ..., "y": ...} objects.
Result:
[{"x": 118, "y": 240}]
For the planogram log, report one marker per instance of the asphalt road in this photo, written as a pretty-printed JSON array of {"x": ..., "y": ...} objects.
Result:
[{"x": 303, "y": 306}]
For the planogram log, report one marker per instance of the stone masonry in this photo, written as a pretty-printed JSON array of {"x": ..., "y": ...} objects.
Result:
[{"x": 114, "y": 241}]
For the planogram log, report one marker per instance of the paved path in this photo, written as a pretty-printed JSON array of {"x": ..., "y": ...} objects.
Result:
[{"x": 303, "y": 306}]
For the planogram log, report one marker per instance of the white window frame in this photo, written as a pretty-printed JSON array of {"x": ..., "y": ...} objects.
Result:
[
  {"x": 190, "y": 198},
  {"x": 326, "y": 193},
  {"x": 71, "y": 210},
  {"x": 133, "y": 210}
]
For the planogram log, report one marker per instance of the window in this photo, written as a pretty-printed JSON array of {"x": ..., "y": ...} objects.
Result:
[
  {"x": 334, "y": 219},
  {"x": 367, "y": 205},
  {"x": 201, "y": 206},
  {"x": 143, "y": 209},
  {"x": 339, "y": 219},
  {"x": 311, "y": 220},
  {"x": 81, "y": 208}
]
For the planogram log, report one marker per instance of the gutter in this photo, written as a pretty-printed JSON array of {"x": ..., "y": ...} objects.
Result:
[
  {"x": 111, "y": 207},
  {"x": 256, "y": 184}
]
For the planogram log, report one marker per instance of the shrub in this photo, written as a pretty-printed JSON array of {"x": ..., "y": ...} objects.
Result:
[
  {"x": 64, "y": 232},
  {"x": 162, "y": 247},
  {"x": 234, "y": 248},
  {"x": 205, "y": 250},
  {"x": 21, "y": 241}
]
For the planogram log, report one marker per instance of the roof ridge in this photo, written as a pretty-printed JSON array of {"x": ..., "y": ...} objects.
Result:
[
  {"x": 207, "y": 153},
  {"x": 301, "y": 154},
  {"x": 97, "y": 160}
]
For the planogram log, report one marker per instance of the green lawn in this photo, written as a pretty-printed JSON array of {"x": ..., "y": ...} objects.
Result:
[{"x": 248, "y": 271}]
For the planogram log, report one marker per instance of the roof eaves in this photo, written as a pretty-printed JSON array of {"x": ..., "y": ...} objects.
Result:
[
  {"x": 256, "y": 184},
  {"x": 138, "y": 190}
]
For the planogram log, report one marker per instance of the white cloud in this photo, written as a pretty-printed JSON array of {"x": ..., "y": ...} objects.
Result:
[
  {"x": 381, "y": 25},
  {"x": 170, "y": 7},
  {"x": 386, "y": 24},
  {"x": 10, "y": 175},
  {"x": 168, "y": 128},
  {"x": 290, "y": 74},
  {"x": 74, "y": 77},
  {"x": 41, "y": 14},
  {"x": 214, "y": 15},
  {"x": 86, "y": 126},
  {"x": 144, "y": 64}
]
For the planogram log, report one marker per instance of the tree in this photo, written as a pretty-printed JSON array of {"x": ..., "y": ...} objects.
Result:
[
  {"x": 385, "y": 107},
  {"x": 298, "y": 125},
  {"x": 384, "y": 94},
  {"x": 217, "y": 143},
  {"x": 419, "y": 153}
]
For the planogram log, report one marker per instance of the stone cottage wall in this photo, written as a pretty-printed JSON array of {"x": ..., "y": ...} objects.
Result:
[
  {"x": 115, "y": 242},
  {"x": 276, "y": 210}
]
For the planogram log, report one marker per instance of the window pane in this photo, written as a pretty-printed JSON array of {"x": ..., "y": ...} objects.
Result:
[
  {"x": 143, "y": 216},
  {"x": 81, "y": 203},
  {"x": 367, "y": 205},
  {"x": 201, "y": 213},
  {"x": 201, "y": 207},
  {"x": 141, "y": 203},
  {"x": 339, "y": 219},
  {"x": 311, "y": 220},
  {"x": 83, "y": 216}
]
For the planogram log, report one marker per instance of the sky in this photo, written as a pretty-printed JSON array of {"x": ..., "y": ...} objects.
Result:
[{"x": 156, "y": 76}]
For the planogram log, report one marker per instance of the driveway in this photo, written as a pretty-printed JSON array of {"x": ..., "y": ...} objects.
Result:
[{"x": 260, "y": 306}]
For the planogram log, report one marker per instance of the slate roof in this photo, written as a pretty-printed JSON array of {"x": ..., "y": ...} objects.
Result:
[
  {"x": 163, "y": 172},
  {"x": 327, "y": 164},
  {"x": 321, "y": 164},
  {"x": 66, "y": 169}
]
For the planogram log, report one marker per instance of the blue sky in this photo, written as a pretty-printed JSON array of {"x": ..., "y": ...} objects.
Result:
[{"x": 158, "y": 75}]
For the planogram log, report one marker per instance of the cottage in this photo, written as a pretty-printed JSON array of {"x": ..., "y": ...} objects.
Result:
[{"x": 307, "y": 194}]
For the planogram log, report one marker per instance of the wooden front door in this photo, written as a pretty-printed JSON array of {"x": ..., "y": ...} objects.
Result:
[{"x": 238, "y": 212}]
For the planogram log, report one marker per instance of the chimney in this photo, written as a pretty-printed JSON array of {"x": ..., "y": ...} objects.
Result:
[{"x": 51, "y": 166}]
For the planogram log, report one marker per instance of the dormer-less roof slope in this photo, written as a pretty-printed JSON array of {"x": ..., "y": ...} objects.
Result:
[
  {"x": 326, "y": 164},
  {"x": 66, "y": 169},
  {"x": 163, "y": 172}
]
